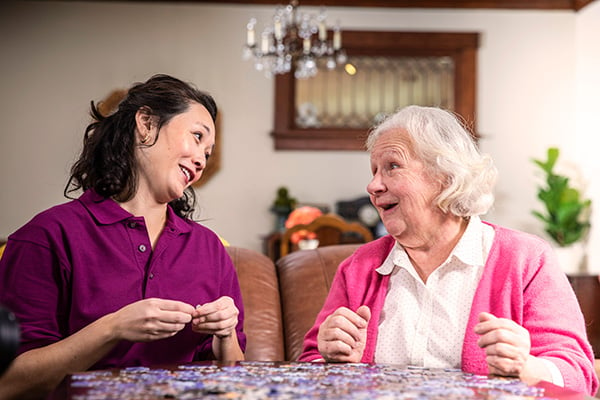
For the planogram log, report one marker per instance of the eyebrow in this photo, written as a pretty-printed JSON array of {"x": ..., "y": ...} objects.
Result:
[{"x": 206, "y": 127}]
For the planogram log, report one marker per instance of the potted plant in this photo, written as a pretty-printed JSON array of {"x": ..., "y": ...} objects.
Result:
[
  {"x": 282, "y": 207},
  {"x": 566, "y": 216}
]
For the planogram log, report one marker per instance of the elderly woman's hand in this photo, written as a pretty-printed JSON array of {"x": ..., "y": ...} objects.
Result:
[
  {"x": 343, "y": 334},
  {"x": 218, "y": 318},
  {"x": 506, "y": 344}
]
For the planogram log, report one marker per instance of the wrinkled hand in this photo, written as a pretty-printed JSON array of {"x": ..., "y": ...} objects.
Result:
[
  {"x": 151, "y": 319},
  {"x": 343, "y": 334},
  {"x": 218, "y": 318},
  {"x": 506, "y": 344}
]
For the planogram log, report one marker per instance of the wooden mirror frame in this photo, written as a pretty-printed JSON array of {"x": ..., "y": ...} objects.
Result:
[{"x": 460, "y": 46}]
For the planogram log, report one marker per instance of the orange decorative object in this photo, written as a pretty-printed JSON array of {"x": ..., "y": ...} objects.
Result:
[{"x": 302, "y": 215}]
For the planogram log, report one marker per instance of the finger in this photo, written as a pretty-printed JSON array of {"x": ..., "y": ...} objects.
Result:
[
  {"x": 162, "y": 327},
  {"x": 486, "y": 316},
  {"x": 505, "y": 351},
  {"x": 217, "y": 319},
  {"x": 216, "y": 325},
  {"x": 168, "y": 311},
  {"x": 354, "y": 318},
  {"x": 502, "y": 350},
  {"x": 514, "y": 335},
  {"x": 364, "y": 312},
  {"x": 173, "y": 305},
  {"x": 496, "y": 323},
  {"x": 504, "y": 366},
  {"x": 494, "y": 337},
  {"x": 220, "y": 315},
  {"x": 493, "y": 370},
  {"x": 222, "y": 303},
  {"x": 504, "y": 323},
  {"x": 487, "y": 322},
  {"x": 173, "y": 317},
  {"x": 339, "y": 327},
  {"x": 335, "y": 350},
  {"x": 337, "y": 334},
  {"x": 339, "y": 352},
  {"x": 159, "y": 330}
]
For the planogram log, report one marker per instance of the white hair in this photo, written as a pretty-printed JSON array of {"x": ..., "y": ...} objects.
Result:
[{"x": 447, "y": 149}]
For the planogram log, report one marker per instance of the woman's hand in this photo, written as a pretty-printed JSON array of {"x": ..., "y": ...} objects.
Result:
[
  {"x": 343, "y": 334},
  {"x": 507, "y": 346},
  {"x": 218, "y": 318},
  {"x": 151, "y": 319}
]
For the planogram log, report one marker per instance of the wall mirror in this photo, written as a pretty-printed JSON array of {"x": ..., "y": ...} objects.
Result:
[{"x": 385, "y": 70}]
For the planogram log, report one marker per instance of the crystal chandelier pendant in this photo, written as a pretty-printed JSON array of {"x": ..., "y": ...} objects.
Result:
[{"x": 294, "y": 41}]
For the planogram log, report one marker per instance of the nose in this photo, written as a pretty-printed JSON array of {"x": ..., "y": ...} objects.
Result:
[
  {"x": 376, "y": 185},
  {"x": 200, "y": 162}
]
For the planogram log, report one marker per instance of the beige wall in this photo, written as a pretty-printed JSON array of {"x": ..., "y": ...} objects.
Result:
[{"x": 537, "y": 86}]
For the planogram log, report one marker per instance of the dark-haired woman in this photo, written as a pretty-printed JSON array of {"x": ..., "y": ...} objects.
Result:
[{"x": 121, "y": 276}]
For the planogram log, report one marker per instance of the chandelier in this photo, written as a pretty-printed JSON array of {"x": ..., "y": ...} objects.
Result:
[{"x": 295, "y": 41}]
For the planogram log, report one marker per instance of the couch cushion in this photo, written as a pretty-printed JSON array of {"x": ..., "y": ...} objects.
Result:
[{"x": 304, "y": 280}]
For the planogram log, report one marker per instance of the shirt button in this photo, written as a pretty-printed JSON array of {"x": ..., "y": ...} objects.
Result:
[
  {"x": 151, "y": 275},
  {"x": 142, "y": 248},
  {"x": 132, "y": 224}
]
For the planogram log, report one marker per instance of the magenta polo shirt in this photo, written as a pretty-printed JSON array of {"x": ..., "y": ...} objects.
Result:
[{"x": 78, "y": 261}]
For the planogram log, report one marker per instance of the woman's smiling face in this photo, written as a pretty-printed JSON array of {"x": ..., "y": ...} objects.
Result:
[
  {"x": 401, "y": 189},
  {"x": 179, "y": 155}
]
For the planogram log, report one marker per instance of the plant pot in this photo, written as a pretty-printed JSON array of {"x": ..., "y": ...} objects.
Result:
[
  {"x": 571, "y": 258},
  {"x": 308, "y": 244}
]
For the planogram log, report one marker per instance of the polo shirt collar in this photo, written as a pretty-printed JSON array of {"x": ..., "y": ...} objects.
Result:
[
  {"x": 469, "y": 250},
  {"x": 106, "y": 211}
]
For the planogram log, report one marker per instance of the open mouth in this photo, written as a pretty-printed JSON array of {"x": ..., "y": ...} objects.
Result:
[
  {"x": 386, "y": 207},
  {"x": 187, "y": 173}
]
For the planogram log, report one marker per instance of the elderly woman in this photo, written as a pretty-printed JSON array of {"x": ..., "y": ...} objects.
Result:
[{"x": 445, "y": 289}]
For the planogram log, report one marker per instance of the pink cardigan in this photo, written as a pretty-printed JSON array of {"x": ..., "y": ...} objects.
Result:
[{"x": 521, "y": 281}]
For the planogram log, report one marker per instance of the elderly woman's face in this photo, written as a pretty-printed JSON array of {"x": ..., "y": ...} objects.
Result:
[{"x": 401, "y": 190}]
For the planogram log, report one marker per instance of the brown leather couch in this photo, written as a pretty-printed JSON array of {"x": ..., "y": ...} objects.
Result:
[{"x": 281, "y": 301}]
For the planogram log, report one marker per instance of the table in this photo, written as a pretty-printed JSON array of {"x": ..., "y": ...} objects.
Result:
[{"x": 280, "y": 380}]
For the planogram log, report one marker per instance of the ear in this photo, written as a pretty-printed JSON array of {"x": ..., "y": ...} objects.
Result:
[
  {"x": 143, "y": 125},
  {"x": 143, "y": 120}
]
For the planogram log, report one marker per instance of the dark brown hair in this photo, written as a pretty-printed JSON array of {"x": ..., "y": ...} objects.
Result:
[{"x": 107, "y": 161}]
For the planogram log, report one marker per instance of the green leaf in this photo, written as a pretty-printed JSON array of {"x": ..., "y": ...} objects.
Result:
[{"x": 566, "y": 216}]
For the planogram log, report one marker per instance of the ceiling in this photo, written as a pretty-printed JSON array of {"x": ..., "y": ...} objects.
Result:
[{"x": 574, "y": 5}]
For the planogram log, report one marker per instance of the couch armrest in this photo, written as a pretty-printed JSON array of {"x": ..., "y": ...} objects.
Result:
[
  {"x": 262, "y": 305},
  {"x": 304, "y": 280}
]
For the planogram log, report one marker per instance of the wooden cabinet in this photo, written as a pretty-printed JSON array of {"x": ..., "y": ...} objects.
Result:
[{"x": 587, "y": 290}]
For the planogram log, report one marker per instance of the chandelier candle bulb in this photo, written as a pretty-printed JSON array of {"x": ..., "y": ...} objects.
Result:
[
  {"x": 277, "y": 27},
  {"x": 306, "y": 45},
  {"x": 251, "y": 35},
  {"x": 337, "y": 38},
  {"x": 322, "y": 31},
  {"x": 264, "y": 48}
]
